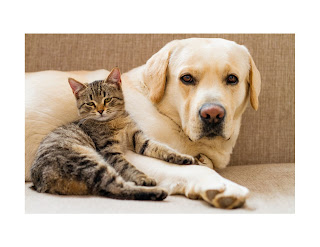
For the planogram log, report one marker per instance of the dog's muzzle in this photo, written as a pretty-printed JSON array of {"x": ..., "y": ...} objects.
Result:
[{"x": 212, "y": 116}]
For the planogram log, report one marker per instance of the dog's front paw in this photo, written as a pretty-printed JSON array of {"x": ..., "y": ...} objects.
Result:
[
  {"x": 233, "y": 196},
  {"x": 217, "y": 191},
  {"x": 181, "y": 159}
]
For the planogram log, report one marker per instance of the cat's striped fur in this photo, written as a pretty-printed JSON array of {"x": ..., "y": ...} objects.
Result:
[{"x": 87, "y": 156}]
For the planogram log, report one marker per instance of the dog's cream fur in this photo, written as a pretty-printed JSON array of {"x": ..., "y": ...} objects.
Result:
[{"x": 166, "y": 110}]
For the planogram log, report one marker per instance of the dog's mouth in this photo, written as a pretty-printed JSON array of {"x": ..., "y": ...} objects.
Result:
[
  {"x": 211, "y": 135},
  {"x": 212, "y": 132},
  {"x": 206, "y": 135}
]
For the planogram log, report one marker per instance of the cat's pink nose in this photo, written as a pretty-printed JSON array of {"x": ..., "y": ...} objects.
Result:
[{"x": 100, "y": 111}]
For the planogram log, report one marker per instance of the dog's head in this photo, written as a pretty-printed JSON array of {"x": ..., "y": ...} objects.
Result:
[{"x": 203, "y": 85}]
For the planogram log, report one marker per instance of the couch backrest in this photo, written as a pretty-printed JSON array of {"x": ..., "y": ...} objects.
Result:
[{"x": 266, "y": 136}]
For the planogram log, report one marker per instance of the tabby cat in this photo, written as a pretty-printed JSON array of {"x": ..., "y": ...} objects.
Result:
[{"x": 87, "y": 156}]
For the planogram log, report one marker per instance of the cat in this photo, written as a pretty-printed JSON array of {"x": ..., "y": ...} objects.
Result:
[{"x": 87, "y": 156}]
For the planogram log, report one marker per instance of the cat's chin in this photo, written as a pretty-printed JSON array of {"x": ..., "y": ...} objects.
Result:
[
  {"x": 102, "y": 118},
  {"x": 98, "y": 118}
]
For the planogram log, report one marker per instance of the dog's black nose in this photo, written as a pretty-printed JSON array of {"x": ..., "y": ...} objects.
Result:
[{"x": 212, "y": 114}]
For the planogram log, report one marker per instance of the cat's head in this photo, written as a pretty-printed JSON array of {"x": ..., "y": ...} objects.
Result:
[{"x": 102, "y": 99}]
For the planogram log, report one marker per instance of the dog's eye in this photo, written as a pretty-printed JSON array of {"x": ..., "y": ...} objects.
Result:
[
  {"x": 232, "y": 80},
  {"x": 187, "y": 79},
  {"x": 90, "y": 104}
]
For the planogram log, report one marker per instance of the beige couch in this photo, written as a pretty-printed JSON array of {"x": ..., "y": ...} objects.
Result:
[{"x": 263, "y": 159}]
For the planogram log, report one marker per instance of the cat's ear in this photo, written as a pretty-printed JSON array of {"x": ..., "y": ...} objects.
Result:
[
  {"x": 76, "y": 86},
  {"x": 114, "y": 77}
]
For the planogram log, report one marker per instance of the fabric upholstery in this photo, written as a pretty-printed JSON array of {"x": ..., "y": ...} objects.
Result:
[
  {"x": 271, "y": 191},
  {"x": 266, "y": 136}
]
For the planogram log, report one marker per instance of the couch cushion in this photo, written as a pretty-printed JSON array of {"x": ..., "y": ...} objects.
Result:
[{"x": 271, "y": 185}]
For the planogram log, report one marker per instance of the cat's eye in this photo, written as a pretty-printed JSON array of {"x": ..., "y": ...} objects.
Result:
[
  {"x": 90, "y": 104},
  {"x": 107, "y": 100}
]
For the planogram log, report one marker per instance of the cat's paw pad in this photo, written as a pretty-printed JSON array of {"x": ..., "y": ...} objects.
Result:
[{"x": 180, "y": 159}]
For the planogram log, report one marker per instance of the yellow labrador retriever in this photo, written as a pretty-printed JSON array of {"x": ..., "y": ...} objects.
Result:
[{"x": 190, "y": 95}]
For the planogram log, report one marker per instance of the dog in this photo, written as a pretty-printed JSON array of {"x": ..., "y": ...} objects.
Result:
[{"x": 190, "y": 95}]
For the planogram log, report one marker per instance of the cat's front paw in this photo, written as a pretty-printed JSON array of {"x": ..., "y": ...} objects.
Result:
[
  {"x": 143, "y": 180},
  {"x": 181, "y": 159},
  {"x": 204, "y": 161}
]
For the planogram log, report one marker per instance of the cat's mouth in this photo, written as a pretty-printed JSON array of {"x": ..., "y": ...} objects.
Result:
[
  {"x": 98, "y": 117},
  {"x": 103, "y": 117}
]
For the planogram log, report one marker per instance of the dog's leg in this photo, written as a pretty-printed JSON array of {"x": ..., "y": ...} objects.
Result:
[{"x": 193, "y": 181}]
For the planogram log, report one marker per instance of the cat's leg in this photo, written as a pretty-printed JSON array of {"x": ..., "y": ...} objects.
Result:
[
  {"x": 85, "y": 171},
  {"x": 204, "y": 161},
  {"x": 114, "y": 156},
  {"x": 193, "y": 181},
  {"x": 145, "y": 146}
]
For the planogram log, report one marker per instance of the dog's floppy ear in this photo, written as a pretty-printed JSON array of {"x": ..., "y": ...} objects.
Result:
[
  {"x": 255, "y": 84},
  {"x": 155, "y": 72}
]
